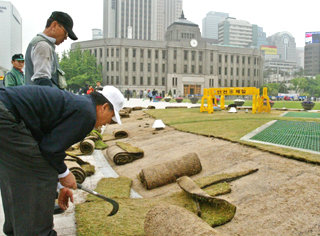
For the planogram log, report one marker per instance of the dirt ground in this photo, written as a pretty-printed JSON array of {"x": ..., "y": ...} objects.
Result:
[{"x": 282, "y": 198}]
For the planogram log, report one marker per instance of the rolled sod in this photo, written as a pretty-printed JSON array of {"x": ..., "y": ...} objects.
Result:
[
  {"x": 123, "y": 153},
  {"x": 87, "y": 146},
  {"x": 76, "y": 170},
  {"x": 171, "y": 220},
  {"x": 165, "y": 173}
]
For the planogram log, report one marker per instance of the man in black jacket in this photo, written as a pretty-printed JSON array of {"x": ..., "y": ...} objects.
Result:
[{"x": 37, "y": 125}]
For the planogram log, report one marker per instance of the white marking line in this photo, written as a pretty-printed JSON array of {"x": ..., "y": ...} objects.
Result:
[
  {"x": 285, "y": 113},
  {"x": 248, "y": 137}
]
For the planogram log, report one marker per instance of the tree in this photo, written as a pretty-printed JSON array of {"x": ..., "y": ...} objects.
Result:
[
  {"x": 80, "y": 68},
  {"x": 273, "y": 89}
]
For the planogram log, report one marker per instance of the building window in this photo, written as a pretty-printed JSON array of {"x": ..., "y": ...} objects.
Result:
[
  {"x": 134, "y": 52},
  {"x": 100, "y": 52},
  {"x": 163, "y": 68},
  {"x": 200, "y": 56},
  {"x": 149, "y": 53},
  {"x": 107, "y": 79},
  {"x": 255, "y": 60},
  {"x": 220, "y": 70},
  {"x": 226, "y": 71},
  {"x": 163, "y": 54},
  {"x": 156, "y": 54},
  {"x": 219, "y": 82},
  {"x": 193, "y": 55},
  {"x": 200, "y": 69},
  {"x": 134, "y": 80},
  {"x": 231, "y": 72},
  {"x": 185, "y": 70},
  {"x": 141, "y": 53},
  {"x": 134, "y": 66},
  {"x": 185, "y": 55},
  {"x": 156, "y": 81},
  {"x": 242, "y": 83},
  {"x": 117, "y": 52},
  {"x": 226, "y": 58},
  {"x": 237, "y": 83},
  {"x": 249, "y": 60},
  {"x": 149, "y": 67},
  {"x": 117, "y": 80},
  {"x": 126, "y": 52},
  {"x": 243, "y": 59},
  {"x": 231, "y": 83},
  {"x": 141, "y": 67},
  {"x": 112, "y": 52},
  {"x": 126, "y": 80},
  {"x": 220, "y": 58},
  {"x": 117, "y": 66},
  {"x": 107, "y": 52},
  {"x": 248, "y": 72},
  {"x": 175, "y": 54},
  {"x": 149, "y": 80},
  {"x": 237, "y": 71},
  {"x": 126, "y": 66},
  {"x": 231, "y": 58},
  {"x": 192, "y": 69},
  {"x": 107, "y": 66},
  {"x": 248, "y": 83},
  {"x": 211, "y": 56},
  {"x": 141, "y": 80},
  {"x": 225, "y": 83},
  {"x": 174, "y": 68},
  {"x": 163, "y": 81},
  {"x": 238, "y": 59},
  {"x": 112, "y": 66},
  {"x": 156, "y": 68},
  {"x": 242, "y": 71},
  {"x": 211, "y": 70}
]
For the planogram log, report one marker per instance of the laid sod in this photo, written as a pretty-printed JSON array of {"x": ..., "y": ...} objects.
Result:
[
  {"x": 92, "y": 219},
  {"x": 231, "y": 127}
]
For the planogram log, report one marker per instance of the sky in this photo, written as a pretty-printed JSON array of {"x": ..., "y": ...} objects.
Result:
[{"x": 295, "y": 17}]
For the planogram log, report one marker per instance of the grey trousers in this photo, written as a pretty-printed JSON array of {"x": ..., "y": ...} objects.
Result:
[{"x": 27, "y": 181}]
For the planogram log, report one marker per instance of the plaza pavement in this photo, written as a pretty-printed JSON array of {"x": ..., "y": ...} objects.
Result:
[{"x": 64, "y": 223}]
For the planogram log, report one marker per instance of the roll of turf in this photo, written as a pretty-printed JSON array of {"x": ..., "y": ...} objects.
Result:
[
  {"x": 171, "y": 220},
  {"x": 87, "y": 146},
  {"x": 165, "y": 173},
  {"x": 76, "y": 170}
]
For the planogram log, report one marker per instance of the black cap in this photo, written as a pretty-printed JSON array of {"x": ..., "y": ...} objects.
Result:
[
  {"x": 66, "y": 21},
  {"x": 17, "y": 57}
]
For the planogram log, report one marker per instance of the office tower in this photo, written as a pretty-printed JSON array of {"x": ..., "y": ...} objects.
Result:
[
  {"x": 312, "y": 54},
  {"x": 210, "y": 24},
  {"x": 235, "y": 32},
  {"x": 285, "y": 44},
  {"x": 139, "y": 19},
  {"x": 11, "y": 33}
]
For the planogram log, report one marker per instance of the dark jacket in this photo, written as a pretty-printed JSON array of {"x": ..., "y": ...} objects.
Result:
[{"x": 57, "y": 119}]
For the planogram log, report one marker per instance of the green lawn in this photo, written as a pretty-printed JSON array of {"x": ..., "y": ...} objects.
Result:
[{"x": 230, "y": 126}]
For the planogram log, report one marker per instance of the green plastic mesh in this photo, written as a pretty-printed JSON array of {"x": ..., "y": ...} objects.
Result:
[
  {"x": 303, "y": 114},
  {"x": 298, "y": 134}
]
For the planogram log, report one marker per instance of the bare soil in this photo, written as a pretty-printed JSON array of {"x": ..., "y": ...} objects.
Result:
[{"x": 282, "y": 198}]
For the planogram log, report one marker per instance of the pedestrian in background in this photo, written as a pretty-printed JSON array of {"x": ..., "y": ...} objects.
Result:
[
  {"x": 42, "y": 65},
  {"x": 15, "y": 77}
]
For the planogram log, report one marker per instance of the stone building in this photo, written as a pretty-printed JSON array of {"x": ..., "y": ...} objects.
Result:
[{"x": 183, "y": 63}]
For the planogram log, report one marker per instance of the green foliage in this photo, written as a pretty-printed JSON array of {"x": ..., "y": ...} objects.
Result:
[
  {"x": 275, "y": 88},
  {"x": 80, "y": 68},
  {"x": 307, "y": 86}
]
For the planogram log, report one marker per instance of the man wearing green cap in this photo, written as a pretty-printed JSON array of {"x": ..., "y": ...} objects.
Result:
[
  {"x": 15, "y": 77},
  {"x": 42, "y": 65}
]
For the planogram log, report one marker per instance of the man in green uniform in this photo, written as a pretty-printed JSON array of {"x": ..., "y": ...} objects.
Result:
[{"x": 15, "y": 77}]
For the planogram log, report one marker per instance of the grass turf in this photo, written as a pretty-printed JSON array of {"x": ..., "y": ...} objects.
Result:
[
  {"x": 231, "y": 126},
  {"x": 92, "y": 219}
]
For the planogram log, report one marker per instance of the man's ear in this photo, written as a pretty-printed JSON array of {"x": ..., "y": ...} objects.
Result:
[{"x": 105, "y": 106}]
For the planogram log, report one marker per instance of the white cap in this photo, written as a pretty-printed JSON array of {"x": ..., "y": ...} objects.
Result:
[
  {"x": 116, "y": 98},
  {"x": 158, "y": 124}
]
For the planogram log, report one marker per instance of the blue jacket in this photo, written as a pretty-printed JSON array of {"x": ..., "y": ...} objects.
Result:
[{"x": 57, "y": 119}]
